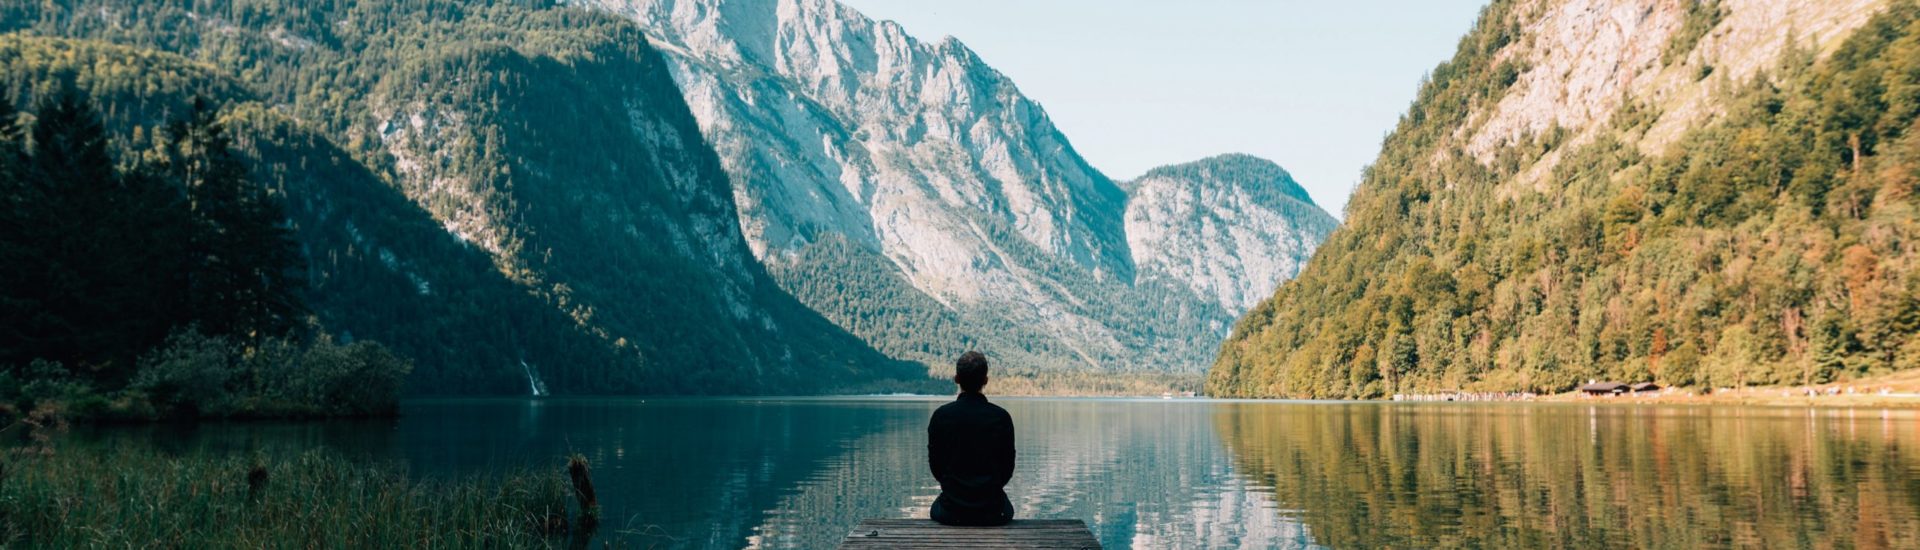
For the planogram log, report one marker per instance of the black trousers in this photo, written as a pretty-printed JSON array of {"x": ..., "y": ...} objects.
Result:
[{"x": 947, "y": 513}]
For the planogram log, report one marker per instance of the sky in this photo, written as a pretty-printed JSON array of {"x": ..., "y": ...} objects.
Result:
[{"x": 1313, "y": 85}]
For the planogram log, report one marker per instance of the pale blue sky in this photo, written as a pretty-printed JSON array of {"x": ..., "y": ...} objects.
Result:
[{"x": 1312, "y": 85}]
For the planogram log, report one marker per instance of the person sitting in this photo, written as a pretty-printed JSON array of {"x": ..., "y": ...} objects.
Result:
[{"x": 970, "y": 450}]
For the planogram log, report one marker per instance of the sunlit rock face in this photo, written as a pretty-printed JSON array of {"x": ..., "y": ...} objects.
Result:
[
  {"x": 646, "y": 227},
  {"x": 1589, "y": 58},
  {"x": 835, "y": 122},
  {"x": 1229, "y": 228},
  {"x": 918, "y": 155}
]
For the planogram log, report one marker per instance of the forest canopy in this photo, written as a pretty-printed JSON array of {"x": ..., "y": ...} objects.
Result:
[
  {"x": 513, "y": 194},
  {"x": 159, "y": 285},
  {"x": 1771, "y": 245}
]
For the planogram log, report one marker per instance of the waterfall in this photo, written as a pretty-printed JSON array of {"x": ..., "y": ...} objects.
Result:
[{"x": 534, "y": 384}]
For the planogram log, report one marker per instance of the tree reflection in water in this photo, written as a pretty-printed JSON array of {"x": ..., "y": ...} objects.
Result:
[{"x": 1578, "y": 476}]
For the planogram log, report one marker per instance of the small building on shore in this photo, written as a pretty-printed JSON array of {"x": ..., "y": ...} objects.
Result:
[
  {"x": 1604, "y": 388},
  {"x": 1646, "y": 387}
]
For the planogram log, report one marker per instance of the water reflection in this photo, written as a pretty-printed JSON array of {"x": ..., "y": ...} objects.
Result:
[
  {"x": 1536, "y": 476},
  {"x": 799, "y": 473},
  {"x": 1145, "y": 474},
  {"x": 676, "y": 473}
]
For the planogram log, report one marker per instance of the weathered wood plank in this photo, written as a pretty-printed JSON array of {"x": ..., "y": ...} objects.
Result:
[
  {"x": 968, "y": 536},
  {"x": 1017, "y": 524},
  {"x": 969, "y": 532},
  {"x": 994, "y": 529},
  {"x": 1024, "y": 545},
  {"x": 996, "y": 543},
  {"x": 925, "y": 534}
]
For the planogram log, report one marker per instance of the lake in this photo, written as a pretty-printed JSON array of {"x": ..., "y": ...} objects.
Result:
[{"x": 799, "y": 473}]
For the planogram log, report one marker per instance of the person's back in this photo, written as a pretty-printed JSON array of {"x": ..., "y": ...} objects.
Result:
[{"x": 970, "y": 451}]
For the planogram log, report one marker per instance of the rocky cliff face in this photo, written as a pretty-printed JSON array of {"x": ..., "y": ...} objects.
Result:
[
  {"x": 1229, "y": 228},
  {"x": 608, "y": 204},
  {"x": 859, "y": 153},
  {"x": 840, "y": 124},
  {"x": 1586, "y": 59}
]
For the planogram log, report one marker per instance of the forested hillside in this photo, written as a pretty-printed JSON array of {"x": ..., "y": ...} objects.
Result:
[
  {"x": 514, "y": 195},
  {"x": 1717, "y": 216},
  {"x": 153, "y": 282}
]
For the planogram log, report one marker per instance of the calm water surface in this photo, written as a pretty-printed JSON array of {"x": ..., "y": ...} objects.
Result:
[{"x": 799, "y": 473}]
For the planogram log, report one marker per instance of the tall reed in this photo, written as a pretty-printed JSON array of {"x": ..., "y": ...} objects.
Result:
[{"x": 96, "y": 497}]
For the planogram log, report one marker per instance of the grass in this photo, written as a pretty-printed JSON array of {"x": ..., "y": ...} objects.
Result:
[{"x": 133, "y": 498}]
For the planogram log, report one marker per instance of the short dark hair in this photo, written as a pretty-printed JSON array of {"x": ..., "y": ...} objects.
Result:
[{"x": 970, "y": 372}]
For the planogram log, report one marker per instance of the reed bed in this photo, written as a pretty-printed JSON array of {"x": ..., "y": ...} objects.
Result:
[{"x": 133, "y": 498}]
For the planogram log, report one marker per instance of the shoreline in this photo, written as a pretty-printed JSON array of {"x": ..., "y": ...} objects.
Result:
[{"x": 1758, "y": 397}]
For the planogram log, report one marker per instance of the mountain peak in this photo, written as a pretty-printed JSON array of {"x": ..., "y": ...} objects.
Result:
[
  {"x": 1188, "y": 223},
  {"x": 1252, "y": 173}
]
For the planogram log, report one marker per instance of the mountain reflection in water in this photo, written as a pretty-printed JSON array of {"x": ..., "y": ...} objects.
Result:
[{"x": 799, "y": 473}]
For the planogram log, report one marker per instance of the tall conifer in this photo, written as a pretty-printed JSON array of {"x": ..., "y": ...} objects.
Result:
[{"x": 243, "y": 279}]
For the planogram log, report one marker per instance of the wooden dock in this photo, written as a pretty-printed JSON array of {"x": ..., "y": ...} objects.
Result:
[{"x": 1069, "y": 534}]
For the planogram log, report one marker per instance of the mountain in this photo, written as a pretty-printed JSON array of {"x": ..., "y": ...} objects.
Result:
[
  {"x": 1709, "y": 194},
  {"x": 514, "y": 195},
  {"x": 913, "y": 195},
  {"x": 1229, "y": 228}
]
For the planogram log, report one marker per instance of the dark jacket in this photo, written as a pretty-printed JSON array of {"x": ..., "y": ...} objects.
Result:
[{"x": 970, "y": 450}]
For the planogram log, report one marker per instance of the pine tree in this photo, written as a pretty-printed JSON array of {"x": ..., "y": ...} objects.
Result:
[
  {"x": 70, "y": 182},
  {"x": 12, "y": 149},
  {"x": 1832, "y": 345},
  {"x": 242, "y": 279},
  {"x": 70, "y": 146},
  {"x": 94, "y": 278},
  {"x": 71, "y": 175},
  {"x": 15, "y": 250}
]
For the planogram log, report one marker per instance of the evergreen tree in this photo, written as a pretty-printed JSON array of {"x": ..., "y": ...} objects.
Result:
[
  {"x": 14, "y": 248},
  {"x": 70, "y": 146},
  {"x": 69, "y": 179},
  {"x": 1832, "y": 346},
  {"x": 93, "y": 276},
  {"x": 242, "y": 279},
  {"x": 11, "y": 147}
]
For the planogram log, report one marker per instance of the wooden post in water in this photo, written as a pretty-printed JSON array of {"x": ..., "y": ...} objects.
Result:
[
  {"x": 583, "y": 489},
  {"x": 256, "y": 482}
]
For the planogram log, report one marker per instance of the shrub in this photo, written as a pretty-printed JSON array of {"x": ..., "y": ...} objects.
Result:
[
  {"x": 43, "y": 381},
  {"x": 190, "y": 374},
  {"x": 358, "y": 379},
  {"x": 199, "y": 376}
]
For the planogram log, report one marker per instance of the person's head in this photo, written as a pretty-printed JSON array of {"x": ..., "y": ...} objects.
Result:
[{"x": 970, "y": 372}]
